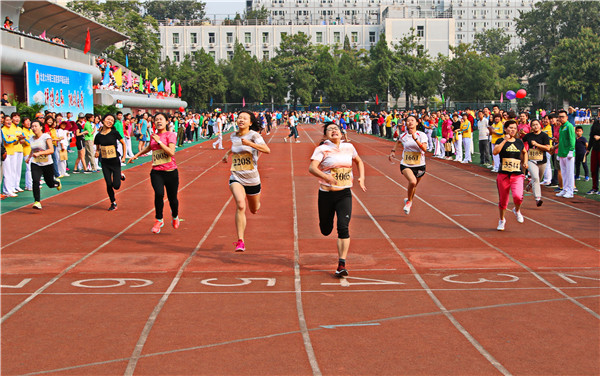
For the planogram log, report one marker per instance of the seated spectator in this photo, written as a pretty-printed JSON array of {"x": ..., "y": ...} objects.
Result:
[
  {"x": 4, "y": 101},
  {"x": 8, "y": 23}
]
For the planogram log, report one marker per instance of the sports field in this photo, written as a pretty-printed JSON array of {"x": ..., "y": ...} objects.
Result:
[{"x": 439, "y": 292}]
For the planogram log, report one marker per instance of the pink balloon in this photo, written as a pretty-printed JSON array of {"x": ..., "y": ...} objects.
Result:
[{"x": 521, "y": 93}]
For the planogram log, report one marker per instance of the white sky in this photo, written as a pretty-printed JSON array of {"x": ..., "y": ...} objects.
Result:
[{"x": 222, "y": 8}]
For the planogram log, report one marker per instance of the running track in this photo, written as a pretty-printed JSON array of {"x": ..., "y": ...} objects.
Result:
[{"x": 91, "y": 292}]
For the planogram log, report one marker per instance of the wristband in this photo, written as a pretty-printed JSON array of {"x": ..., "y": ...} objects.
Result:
[{"x": 159, "y": 142}]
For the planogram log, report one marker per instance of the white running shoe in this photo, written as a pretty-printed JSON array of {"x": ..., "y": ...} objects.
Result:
[
  {"x": 566, "y": 195},
  {"x": 519, "y": 216},
  {"x": 407, "y": 206},
  {"x": 561, "y": 193},
  {"x": 494, "y": 170},
  {"x": 501, "y": 224}
]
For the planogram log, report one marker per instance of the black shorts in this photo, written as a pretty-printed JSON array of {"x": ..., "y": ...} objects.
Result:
[
  {"x": 251, "y": 190},
  {"x": 79, "y": 143},
  {"x": 418, "y": 171}
]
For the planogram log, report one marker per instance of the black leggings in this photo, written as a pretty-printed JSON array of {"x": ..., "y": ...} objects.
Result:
[
  {"x": 36, "y": 173},
  {"x": 161, "y": 180},
  {"x": 111, "y": 169},
  {"x": 335, "y": 203}
]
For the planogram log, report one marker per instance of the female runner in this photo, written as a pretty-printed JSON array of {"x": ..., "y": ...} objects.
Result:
[
  {"x": 331, "y": 162},
  {"x": 539, "y": 145},
  {"x": 164, "y": 172},
  {"x": 106, "y": 149},
  {"x": 513, "y": 160},
  {"x": 41, "y": 162},
  {"x": 412, "y": 165},
  {"x": 244, "y": 181}
]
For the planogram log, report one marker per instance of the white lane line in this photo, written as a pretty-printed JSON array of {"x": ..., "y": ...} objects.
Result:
[
  {"x": 493, "y": 203},
  {"x": 137, "y": 352},
  {"x": 73, "y": 265},
  {"x": 493, "y": 180},
  {"x": 268, "y": 336},
  {"x": 81, "y": 210},
  {"x": 435, "y": 299},
  {"x": 297, "y": 283},
  {"x": 536, "y": 275},
  {"x": 353, "y": 270}
]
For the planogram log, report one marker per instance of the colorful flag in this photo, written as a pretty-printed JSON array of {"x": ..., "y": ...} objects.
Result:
[
  {"x": 146, "y": 73},
  {"x": 88, "y": 43},
  {"x": 126, "y": 61},
  {"x": 141, "y": 85},
  {"x": 106, "y": 79},
  {"x": 173, "y": 88},
  {"x": 168, "y": 87},
  {"x": 501, "y": 97},
  {"x": 443, "y": 99},
  {"x": 243, "y": 102},
  {"x": 377, "y": 99},
  {"x": 321, "y": 99},
  {"x": 179, "y": 90},
  {"x": 129, "y": 79},
  {"x": 155, "y": 84},
  {"x": 43, "y": 35},
  {"x": 161, "y": 87},
  {"x": 211, "y": 101},
  {"x": 119, "y": 77}
]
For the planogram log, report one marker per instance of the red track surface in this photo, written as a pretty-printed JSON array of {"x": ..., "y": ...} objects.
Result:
[{"x": 91, "y": 292}]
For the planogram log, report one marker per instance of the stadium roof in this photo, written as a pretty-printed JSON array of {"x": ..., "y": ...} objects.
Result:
[{"x": 58, "y": 21}]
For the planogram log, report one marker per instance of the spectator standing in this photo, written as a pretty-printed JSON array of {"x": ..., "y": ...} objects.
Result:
[
  {"x": 484, "y": 139},
  {"x": 581, "y": 145},
  {"x": 566, "y": 155},
  {"x": 88, "y": 139},
  {"x": 594, "y": 150}
]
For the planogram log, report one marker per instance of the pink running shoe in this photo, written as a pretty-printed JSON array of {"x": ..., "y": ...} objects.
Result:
[
  {"x": 157, "y": 225},
  {"x": 240, "y": 246}
]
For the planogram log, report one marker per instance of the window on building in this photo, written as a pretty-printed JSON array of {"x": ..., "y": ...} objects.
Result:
[
  {"x": 372, "y": 36},
  {"x": 355, "y": 37},
  {"x": 175, "y": 38},
  {"x": 265, "y": 37},
  {"x": 336, "y": 37},
  {"x": 247, "y": 38},
  {"x": 176, "y": 56},
  {"x": 265, "y": 55},
  {"x": 229, "y": 55},
  {"x": 421, "y": 31},
  {"x": 229, "y": 37},
  {"x": 193, "y": 38},
  {"x": 211, "y": 37},
  {"x": 319, "y": 37}
]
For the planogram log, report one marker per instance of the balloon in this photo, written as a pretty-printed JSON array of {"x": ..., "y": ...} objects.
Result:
[
  {"x": 521, "y": 93},
  {"x": 443, "y": 140},
  {"x": 181, "y": 109},
  {"x": 510, "y": 95}
]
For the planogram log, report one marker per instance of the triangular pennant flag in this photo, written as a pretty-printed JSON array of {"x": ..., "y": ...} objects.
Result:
[
  {"x": 211, "y": 101},
  {"x": 146, "y": 73},
  {"x": 141, "y": 85},
  {"x": 179, "y": 90},
  {"x": 129, "y": 79},
  {"x": 502, "y": 97},
  {"x": 119, "y": 77},
  {"x": 168, "y": 87},
  {"x": 43, "y": 35},
  {"x": 173, "y": 88},
  {"x": 88, "y": 43},
  {"x": 243, "y": 102},
  {"x": 127, "y": 61},
  {"x": 377, "y": 99},
  {"x": 321, "y": 99},
  {"x": 155, "y": 83},
  {"x": 161, "y": 87},
  {"x": 443, "y": 99}
]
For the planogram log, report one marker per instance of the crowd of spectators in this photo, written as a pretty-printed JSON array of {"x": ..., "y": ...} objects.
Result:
[{"x": 8, "y": 25}]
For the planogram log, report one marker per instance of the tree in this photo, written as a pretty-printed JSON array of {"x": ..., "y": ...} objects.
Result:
[
  {"x": 273, "y": 81},
  {"x": 542, "y": 29},
  {"x": 492, "y": 42},
  {"x": 259, "y": 14},
  {"x": 574, "y": 75},
  {"x": 295, "y": 58},
  {"x": 380, "y": 67},
  {"x": 469, "y": 76},
  {"x": 244, "y": 75},
  {"x": 176, "y": 9}
]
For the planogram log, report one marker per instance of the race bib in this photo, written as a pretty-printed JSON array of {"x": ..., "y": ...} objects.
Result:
[
  {"x": 41, "y": 159},
  {"x": 108, "y": 152},
  {"x": 342, "y": 175},
  {"x": 160, "y": 157},
  {"x": 242, "y": 162},
  {"x": 535, "y": 155},
  {"x": 412, "y": 157},
  {"x": 511, "y": 165}
]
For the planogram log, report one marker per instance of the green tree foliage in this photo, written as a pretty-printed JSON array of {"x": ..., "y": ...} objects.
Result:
[
  {"x": 260, "y": 14},
  {"x": 469, "y": 76},
  {"x": 176, "y": 9},
  {"x": 575, "y": 68},
  {"x": 273, "y": 81},
  {"x": 295, "y": 58},
  {"x": 380, "y": 70},
  {"x": 244, "y": 75},
  {"x": 546, "y": 25},
  {"x": 143, "y": 46},
  {"x": 492, "y": 42}
]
